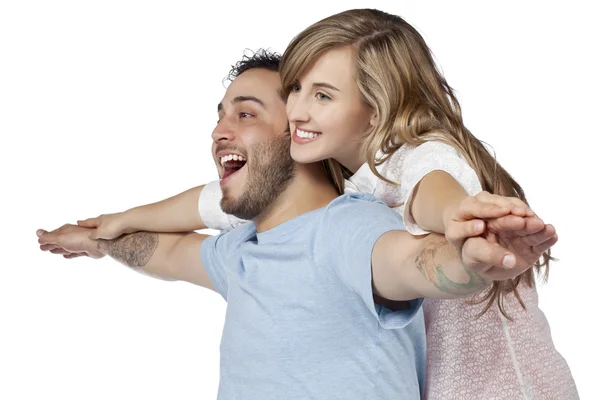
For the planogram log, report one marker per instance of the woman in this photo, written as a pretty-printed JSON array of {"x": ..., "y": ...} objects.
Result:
[{"x": 364, "y": 91}]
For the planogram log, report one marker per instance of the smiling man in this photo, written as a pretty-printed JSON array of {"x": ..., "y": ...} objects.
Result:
[
  {"x": 251, "y": 184},
  {"x": 300, "y": 278}
]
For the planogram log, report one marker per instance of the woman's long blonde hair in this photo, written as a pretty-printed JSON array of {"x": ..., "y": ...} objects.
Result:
[{"x": 398, "y": 78}]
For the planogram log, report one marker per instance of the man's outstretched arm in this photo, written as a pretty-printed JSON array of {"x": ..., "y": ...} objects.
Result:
[
  {"x": 406, "y": 267},
  {"x": 167, "y": 256}
]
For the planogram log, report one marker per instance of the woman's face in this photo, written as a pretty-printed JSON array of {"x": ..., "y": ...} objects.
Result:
[{"x": 328, "y": 118}]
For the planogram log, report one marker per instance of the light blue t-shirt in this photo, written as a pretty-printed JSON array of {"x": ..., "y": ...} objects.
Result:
[{"x": 301, "y": 322}]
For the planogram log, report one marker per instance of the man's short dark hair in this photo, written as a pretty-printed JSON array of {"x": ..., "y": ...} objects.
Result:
[{"x": 261, "y": 58}]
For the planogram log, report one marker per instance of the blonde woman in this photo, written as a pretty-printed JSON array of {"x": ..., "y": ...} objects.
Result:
[{"x": 365, "y": 92}]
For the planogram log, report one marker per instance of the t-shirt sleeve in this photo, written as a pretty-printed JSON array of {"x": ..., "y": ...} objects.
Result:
[
  {"x": 412, "y": 163},
  {"x": 345, "y": 240},
  {"x": 209, "y": 206},
  {"x": 212, "y": 255}
]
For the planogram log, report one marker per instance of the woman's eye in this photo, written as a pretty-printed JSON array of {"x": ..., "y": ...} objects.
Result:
[{"x": 322, "y": 96}]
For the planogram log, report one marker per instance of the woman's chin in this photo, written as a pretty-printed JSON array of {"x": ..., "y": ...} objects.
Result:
[{"x": 301, "y": 155}]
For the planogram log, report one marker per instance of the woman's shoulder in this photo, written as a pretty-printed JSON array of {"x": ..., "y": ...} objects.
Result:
[{"x": 435, "y": 152}]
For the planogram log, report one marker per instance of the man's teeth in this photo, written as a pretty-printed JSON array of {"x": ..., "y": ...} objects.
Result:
[
  {"x": 307, "y": 135},
  {"x": 231, "y": 157}
]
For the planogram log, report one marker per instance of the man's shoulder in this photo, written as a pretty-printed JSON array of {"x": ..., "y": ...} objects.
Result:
[
  {"x": 355, "y": 200},
  {"x": 359, "y": 207},
  {"x": 236, "y": 236}
]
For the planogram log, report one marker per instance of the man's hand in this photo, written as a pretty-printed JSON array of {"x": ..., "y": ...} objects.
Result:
[
  {"x": 511, "y": 249},
  {"x": 69, "y": 240},
  {"x": 527, "y": 238}
]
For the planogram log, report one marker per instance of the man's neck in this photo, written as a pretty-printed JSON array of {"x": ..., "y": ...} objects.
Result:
[{"x": 309, "y": 190}]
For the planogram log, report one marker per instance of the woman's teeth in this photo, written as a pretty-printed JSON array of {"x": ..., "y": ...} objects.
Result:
[{"x": 307, "y": 135}]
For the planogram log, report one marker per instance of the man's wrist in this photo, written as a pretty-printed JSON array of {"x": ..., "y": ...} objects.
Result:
[
  {"x": 127, "y": 221},
  {"x": 102, "y": 245}
]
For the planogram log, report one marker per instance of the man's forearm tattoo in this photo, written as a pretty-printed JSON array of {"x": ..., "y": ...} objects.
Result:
[
  {"x": 434, "y": 273},
  {"x": 134, "y": 250}
]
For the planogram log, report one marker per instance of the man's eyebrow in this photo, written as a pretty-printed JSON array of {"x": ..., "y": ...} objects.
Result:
[
  {"x": 325, "y": 85},
  {"x": 241, "y": 99}
]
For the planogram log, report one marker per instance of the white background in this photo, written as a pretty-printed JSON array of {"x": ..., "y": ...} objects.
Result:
[{"x": 108, "y": 105}]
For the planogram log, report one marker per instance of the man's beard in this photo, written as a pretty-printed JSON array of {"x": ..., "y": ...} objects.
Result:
[{"x": 270, "y": 170}]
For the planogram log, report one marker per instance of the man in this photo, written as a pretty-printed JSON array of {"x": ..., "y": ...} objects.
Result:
[{"x": 301, "y": 278}]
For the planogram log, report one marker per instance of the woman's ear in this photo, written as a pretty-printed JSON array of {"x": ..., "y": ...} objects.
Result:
[{"x": 374, "y": 121}]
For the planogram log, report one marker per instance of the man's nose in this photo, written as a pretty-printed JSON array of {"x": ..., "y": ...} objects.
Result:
[{"x": 223, "y": 131}]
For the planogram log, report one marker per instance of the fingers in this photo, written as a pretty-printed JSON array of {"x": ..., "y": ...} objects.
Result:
[
  {"x": 50, "y": 237},
  {"x": 534, "y": 225},
  {"x": 43, "y": 236},
  {"x": 89, "y": 223},
  {"x": 73, "y": 255},
  {"x": 515, "y": 205},
  {"x": 540, "y": 237},
  {"x": 491, "y": 261},
  {"x": 49, "y": 247},
  {"x": 479, "y": 253},
  {"x": 542, "y": 247},
  {"x": 94, "y": 234},
  {"x": 472, "y": 208},
  {"x": 507, "y": 223},
  {"x": 54, "y": 249},
  {"x": 457, "y": 231},
  {"x": 59, "y": 250}
]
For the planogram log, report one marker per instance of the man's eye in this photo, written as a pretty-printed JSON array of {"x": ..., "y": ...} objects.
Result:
[
  {"x": 295, "y": 88},
  {"x": 245, "y": 115}
]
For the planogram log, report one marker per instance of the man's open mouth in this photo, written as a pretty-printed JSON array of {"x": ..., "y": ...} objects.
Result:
[{"x": 231, "y": 164}]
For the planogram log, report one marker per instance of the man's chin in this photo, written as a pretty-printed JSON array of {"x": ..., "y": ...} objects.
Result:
[
  {"x": 230, "y": 202},
  {"x": 227, "y": 198},
  {"x": 234, "y": 208},
  {"x": 231, "y": 192}
]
